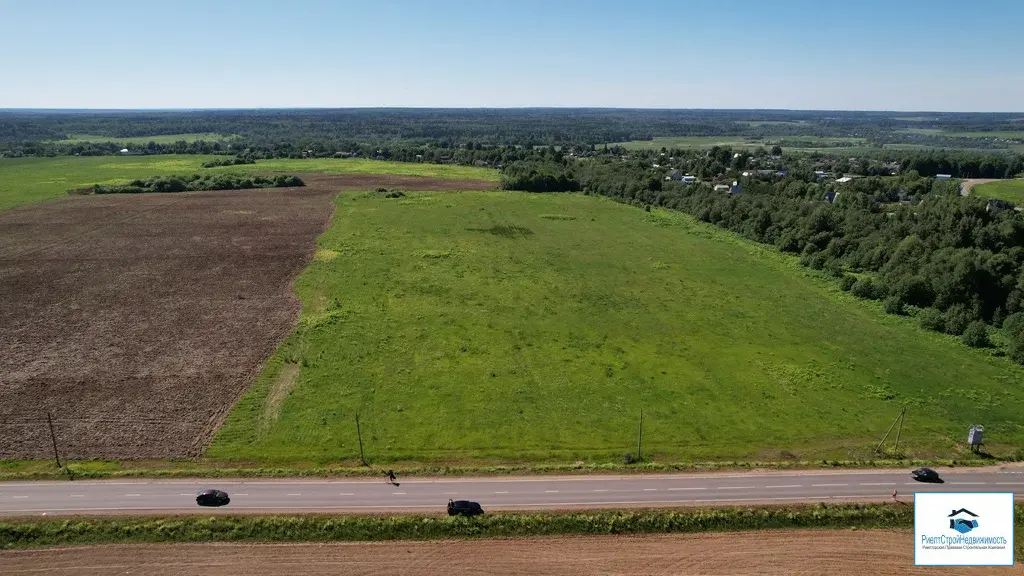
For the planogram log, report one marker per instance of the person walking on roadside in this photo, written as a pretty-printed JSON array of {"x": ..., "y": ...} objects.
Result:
[
  {"x": 391, "y": 476},
  {"x": 894, "y": 493}
]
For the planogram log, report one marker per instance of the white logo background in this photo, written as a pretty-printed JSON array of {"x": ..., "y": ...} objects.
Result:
[{"x": 931, "y": 519}]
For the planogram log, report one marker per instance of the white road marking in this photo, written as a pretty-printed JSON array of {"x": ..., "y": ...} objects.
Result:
[
  {"x": 399, "y": 493},
  {"x": 650, "y": 489},
  {"x": 19, "y": 497},
  {"x": 183, "y": 494},
  {"x": 506, "y": 492},
  {"x": 240, "y": 494},
  {"x": 551, "y": 491},
  {"x": 346, "y": 494},
  {"x": 785, "y": 486},
  {"x": 76, "y": 495},
  {"x": 736, "y": 487},
  {"x": 295, "y": 494},
  {"x": 450, "y": 493},
  {"x": 968, "y": 483},
  {"x": 133, "y": 495},
  {"x": 824, "y": 485},
  {"x": 701, "y": 488},
  {"x": 600, "y": 490},
  {"x": 877, "y": 483}
]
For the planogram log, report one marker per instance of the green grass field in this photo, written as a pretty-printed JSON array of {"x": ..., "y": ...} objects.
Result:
[
  {"x": 362, "y": 166},
  {"x": 1006, "y": 134},
  {"x": 475, "y": 327},
  {"x": 736, "y": 142},
  {"x": 1009, "y": 190},
  {"x": 143, "y": 140},
  {"x": 24, "y": 180}
]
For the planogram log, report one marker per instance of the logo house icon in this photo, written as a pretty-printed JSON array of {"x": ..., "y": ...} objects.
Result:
[{"x": 963, "y": 520}]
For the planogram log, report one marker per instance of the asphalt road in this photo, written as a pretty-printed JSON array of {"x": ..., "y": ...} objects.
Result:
[{"x": 424, "y": 495}]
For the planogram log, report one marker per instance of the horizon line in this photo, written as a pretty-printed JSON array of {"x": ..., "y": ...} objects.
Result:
[{"x": 498, "y": 108}]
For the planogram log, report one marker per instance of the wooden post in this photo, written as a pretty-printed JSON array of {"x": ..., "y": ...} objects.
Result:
[
  {"x": 53, "y": 438},
  {"x": 360, "y": 434},
  {"x": 640, "y": 436},
  {"x": 879, "y": 447},
  {"x": 903, "y": 415}
]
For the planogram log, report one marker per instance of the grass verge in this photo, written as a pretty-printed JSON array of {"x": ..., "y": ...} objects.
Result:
[
  {"x": 43, "y": 470},
  {"x": 97, "y": 530}
]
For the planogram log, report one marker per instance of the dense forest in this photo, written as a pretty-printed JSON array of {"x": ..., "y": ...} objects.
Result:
[
  {"x": 911, "y": 241},
  {"x": 522, "y": 127}
]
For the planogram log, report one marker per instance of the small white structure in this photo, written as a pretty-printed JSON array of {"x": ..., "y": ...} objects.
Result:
[
  {"x": 721, "y": 188},
  {"x": 974, "y": 437},
  {"x": 124, "y": 150},
  {"x": 735, "y": 188},
  {"x": 688, "y": 179},
  {"x": 844, "y": 180},
  {"x": 942, "y": 176},
  {"x": 820, "y": 174}
]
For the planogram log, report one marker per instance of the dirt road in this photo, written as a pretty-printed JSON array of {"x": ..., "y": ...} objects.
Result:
[{"x": 876, "y": 552}]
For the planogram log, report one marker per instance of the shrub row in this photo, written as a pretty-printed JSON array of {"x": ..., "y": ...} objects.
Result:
[
  {"x": 194, "y": 182},
  {"x": 100, "y": 529},
  {"x": 230, "y": 161}
]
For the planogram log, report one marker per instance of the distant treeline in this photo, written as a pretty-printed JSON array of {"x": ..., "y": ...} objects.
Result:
[
  {"x": 525, "y": 127},
  {"x": 194, "y": 182},
  {"x": 909, "y": 240}
]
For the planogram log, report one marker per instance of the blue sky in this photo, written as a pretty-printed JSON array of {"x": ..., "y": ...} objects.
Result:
[{"x": 934, "y": 55}]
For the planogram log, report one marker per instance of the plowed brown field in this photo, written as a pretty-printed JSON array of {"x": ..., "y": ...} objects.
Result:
[
  {"x": 137, "y": 321},
  {"x": 875, "y": 552}
]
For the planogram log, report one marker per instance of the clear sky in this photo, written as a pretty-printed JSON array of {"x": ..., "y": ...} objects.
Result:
[{"x": 935, "y": 55}]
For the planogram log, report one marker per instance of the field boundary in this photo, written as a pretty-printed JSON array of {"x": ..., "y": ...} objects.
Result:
[
  {"x": 81, "y": 470},
  {"x": 32, "y": 532}
]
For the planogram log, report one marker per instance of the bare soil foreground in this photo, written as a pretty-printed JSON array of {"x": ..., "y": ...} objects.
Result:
[
  {"x": 876, "y": 552},
  {"x": 138, "y": 320}
]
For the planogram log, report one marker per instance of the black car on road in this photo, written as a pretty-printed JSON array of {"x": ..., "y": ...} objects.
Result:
[
  {"x": 925, "y": 475},
  {"x": 212, "y": 498},
  {"x": 464, "y": 508}
]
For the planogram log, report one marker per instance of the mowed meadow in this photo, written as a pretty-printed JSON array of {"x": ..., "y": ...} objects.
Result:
[
  {"x": 1009, "y": 190},
  {"x": 25, "y": 180},
  {"x": 502, "y": 326}
]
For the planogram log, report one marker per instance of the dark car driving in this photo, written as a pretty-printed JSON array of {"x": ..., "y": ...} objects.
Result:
[
  {"x": 212, "y": 498},
  {"x": 925, "y": 475},
  {"x": 464, "y": 508}
]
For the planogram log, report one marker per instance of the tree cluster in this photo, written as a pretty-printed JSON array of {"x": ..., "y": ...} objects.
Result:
[{"x": 194, "y": 182}]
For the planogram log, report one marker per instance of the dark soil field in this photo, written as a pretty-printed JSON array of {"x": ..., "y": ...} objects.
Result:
[
  {"x": 138, "y": 320},
  {"x": 798, "y": 552}
]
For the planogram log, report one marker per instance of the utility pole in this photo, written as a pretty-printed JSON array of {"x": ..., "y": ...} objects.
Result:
[
  {"x": 360, "y": 434},
  {"x": 903, "y": 415},
  {"x": 887, "y": 432},
  {"x": 53, "y": 438},
  {"x": 640, "y": 435}
]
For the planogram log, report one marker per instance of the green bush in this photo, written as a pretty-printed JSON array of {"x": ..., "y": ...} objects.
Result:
[
  {"x": 847, "y": 282},
  {"x": 957, "y": 319},
  {"x": 894, "y": 305},
  {"x": 1014, "y": 324},
  {"x": 865, "y": 288},
  {"x": 1017, "y": 347},
  {"x": 976, "y": 335},
  {"x": 931, "y": 319}
]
